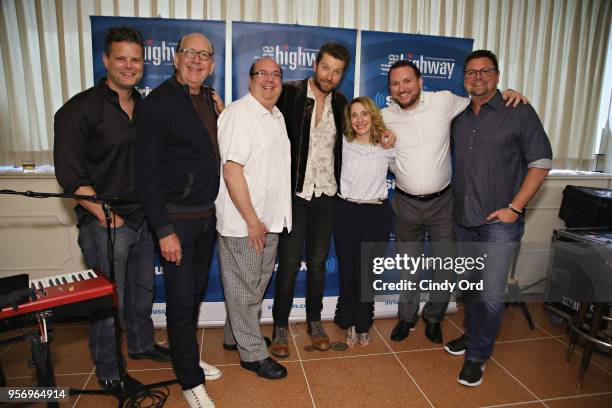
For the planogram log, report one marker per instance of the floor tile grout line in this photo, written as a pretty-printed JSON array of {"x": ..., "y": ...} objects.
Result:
[
  {"x": 511, "y": 404},
  {"x": 8, "y": 347},
  {"x": 517, "y": 380},
  {"x": 544, "y": 400},
  {"x": 349, "y": 356},
  {"x": 418, "y": 350},
  {"x": 93, "y": 370},
  {"x": 521, "y": 340},
  {"x": 534, "y": 323},
  {"x": 594, "y": 394},
  {"x": 454, "y": 324},
  {"x": 405, "y": 369},
  {"x": 144, "y": 370},
  {"x": 301, "y": 365},
  {"x": 382, "y": 338},
  {"x": 509, "y": 341}
]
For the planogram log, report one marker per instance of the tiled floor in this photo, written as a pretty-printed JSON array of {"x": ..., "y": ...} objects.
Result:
[{"x": 528, "y": 369}]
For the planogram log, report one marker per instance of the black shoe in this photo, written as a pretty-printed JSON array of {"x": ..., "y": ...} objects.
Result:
[
  {"x": 125, "y": 386},
  {"x": 457, "y": 347},
  {"x": 267, "y": 368},
  {"x": 433, "y": 332},
  {"x": 157, "y": 353},
  {"x": 234, "y": 347},
  {"x": 471, "y": 374},
  {"x": 401, "y": 330}
]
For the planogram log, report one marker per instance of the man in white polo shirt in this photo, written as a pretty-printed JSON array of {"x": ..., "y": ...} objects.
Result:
[
  {"x": 253, "y": 207},
  {"x": 423, "y": 200}
]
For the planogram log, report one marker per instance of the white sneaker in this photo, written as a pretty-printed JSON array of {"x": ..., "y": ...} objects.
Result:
[
  {"x": 198, "y": 398},
  {"x": 210, "y": 371}
]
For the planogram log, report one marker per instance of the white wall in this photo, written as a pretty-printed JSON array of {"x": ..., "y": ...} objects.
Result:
[{"x": 37, "y": 236}]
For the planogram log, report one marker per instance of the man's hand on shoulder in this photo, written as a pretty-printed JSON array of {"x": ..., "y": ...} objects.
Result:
[
  {"x": 170, "y": 247},
  {"x": 388, "y": 139},
  {"x": 513, "y": 98},
  {"x": 219, "y": 105}
]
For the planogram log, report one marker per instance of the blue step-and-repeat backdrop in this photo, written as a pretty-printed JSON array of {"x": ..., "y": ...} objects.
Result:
[{"x": 295, "y": 48}]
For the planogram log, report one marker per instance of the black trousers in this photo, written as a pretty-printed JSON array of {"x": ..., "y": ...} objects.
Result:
[
  {"x": 311, "y": 232},
  {"x": 356, "y": 224},
  {"x": 185, "y": 286}
]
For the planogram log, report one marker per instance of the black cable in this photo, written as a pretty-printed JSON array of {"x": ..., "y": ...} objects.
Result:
[{"x": 155, "y": 398}]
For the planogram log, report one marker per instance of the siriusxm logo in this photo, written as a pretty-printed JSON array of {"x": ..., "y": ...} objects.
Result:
[
  {"x": 330, "y": 265},
  {"x": 156, "y": 52},
  {"x": 301, "y": 58},
  {"x": 432, "y": 67}
]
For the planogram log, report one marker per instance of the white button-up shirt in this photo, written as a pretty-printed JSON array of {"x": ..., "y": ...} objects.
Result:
[
  {"x": 256, "y": 138},
  {"x": 364, "y": 171},
  {"x": 422, "y": 149}
]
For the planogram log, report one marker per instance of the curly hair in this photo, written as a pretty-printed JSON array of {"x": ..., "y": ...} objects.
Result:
[{"x": 378, "y": 126}]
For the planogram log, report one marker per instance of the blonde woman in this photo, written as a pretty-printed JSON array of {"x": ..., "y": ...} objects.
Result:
[{"x": 362, "y": 214}]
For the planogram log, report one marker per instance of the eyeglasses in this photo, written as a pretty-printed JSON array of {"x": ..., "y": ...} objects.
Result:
[
  {"x": 266, "y": 74},
  {"x": 191, "y": 53},
  {"x": 484, "y": 72}
]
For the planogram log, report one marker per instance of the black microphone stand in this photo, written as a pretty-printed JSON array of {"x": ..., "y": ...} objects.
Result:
[{"x": 120, "y": 393}]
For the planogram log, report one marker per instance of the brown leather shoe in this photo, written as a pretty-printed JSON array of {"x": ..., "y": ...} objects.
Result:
[
  {"x": 280, "y": 344},
  {"x": 319, "y": 338}
]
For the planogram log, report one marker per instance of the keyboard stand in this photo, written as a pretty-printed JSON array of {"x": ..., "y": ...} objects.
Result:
[{"x": 41, "y": 354}]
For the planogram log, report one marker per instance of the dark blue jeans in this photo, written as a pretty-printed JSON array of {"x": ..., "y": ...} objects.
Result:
[
  {"x": 313, "y": 223},
  {"x": 484, "y": 309},
  {"x": 185, "y": 286},
  {"x": 134, "y": 278}
]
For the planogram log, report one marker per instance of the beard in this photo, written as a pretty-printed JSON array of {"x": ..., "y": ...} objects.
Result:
[
  {"x": 478, "y": 88},
  {"x": 323, "y": 87},
  {"x": 411, "y": 102}
]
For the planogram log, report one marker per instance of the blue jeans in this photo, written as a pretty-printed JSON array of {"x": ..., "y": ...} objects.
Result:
[
  {"x": 134, "y": 277},
  {"x": 185, "y": 286},
  {"x": 484, "y": 309}
]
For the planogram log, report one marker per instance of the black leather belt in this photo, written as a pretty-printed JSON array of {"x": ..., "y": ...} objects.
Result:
[
  {"x": 198, "y": 215},
  {"x": 424, "y": 197}
]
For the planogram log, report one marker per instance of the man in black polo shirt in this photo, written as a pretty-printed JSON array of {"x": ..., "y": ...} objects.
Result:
[
  {"x": 177, "y": 181},
  {"x": 94, "y": 135},
  {"x": 502, "y": 156}
]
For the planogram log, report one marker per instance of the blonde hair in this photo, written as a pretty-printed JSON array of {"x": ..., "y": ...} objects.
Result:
[{"x": 378, "y": 126}]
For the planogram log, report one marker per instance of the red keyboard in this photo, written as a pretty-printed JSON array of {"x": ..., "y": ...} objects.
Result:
[{"x": 70, "y": 294}]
